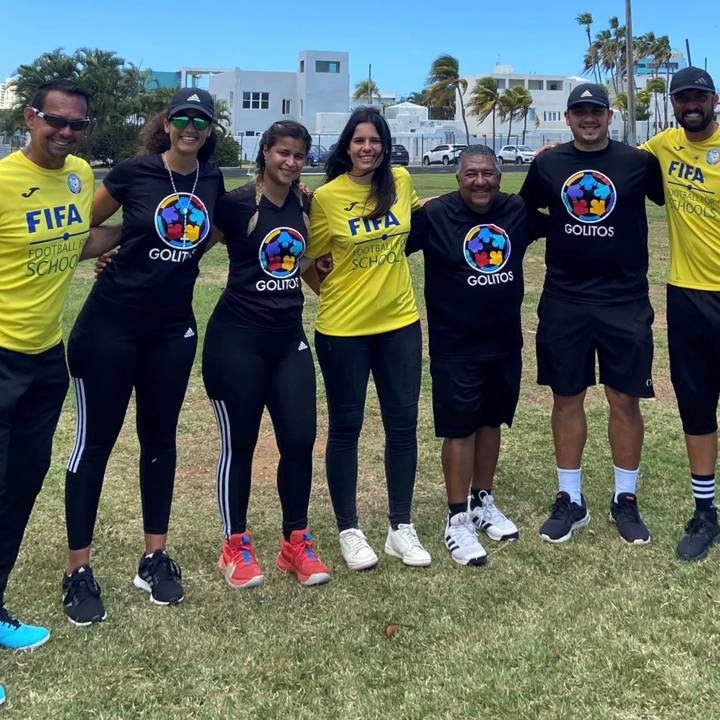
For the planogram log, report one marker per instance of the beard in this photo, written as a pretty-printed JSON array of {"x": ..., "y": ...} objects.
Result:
[{"x": 696, "y": 125}]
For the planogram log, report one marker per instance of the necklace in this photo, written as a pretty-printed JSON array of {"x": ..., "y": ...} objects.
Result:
[{"x": 184, "y": 205}]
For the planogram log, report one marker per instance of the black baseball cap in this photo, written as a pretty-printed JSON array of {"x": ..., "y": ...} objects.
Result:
[
  {"x": 192, "y": 99},
  {"x": 588, "y": 93},
  {"x": 691, "y": 78}
]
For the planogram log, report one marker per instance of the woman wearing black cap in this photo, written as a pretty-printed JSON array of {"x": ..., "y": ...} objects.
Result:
[{"x": 137, "y": 331}]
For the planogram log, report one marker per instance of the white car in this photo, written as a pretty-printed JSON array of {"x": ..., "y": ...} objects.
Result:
[
  {"x": 518, "y": 154},
  {"x": 445, "y": 154}
]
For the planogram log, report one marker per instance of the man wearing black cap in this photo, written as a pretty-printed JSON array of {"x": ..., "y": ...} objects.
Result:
[
  {"x": 690, "y": 160},
  {"x": 595, "y": 303}
]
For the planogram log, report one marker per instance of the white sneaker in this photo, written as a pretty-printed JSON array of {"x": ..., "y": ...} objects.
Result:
[
  {"x": 462, "y": 542},
  {"x": 403, "y": 543},
  {"x": 356, "y": 550},
  {"x": 491, "y": 521}
]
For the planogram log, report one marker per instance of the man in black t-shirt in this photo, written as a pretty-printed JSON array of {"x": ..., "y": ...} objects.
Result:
[
  {"x": 595, "y": 301},
  {"x": 474, "y": 241}
]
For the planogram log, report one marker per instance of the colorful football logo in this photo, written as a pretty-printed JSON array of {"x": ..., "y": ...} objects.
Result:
[
  {"x": 74, "y": 184},
  {"x": 486, "y": 248},
  {"x": 280, "y": 252},
  {"x": 589, "y": 196},
  {"x": 181, "y": 220}
]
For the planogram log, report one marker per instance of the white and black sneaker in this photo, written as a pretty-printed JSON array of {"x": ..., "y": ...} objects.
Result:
[
  {"x": 159, "y": 576},
  {"x": 81, "y": 597},
  {"x": 461, "y": 541},
  {"x": 488, "y": 518}
]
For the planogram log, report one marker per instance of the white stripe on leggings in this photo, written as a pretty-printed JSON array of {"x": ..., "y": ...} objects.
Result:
[
  {"x": 223, "y": 466},
  {"x": 81, "y": 411}
]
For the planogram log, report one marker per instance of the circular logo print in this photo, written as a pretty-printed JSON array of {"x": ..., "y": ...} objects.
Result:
[
  {"x": 589, "y": 196},
  {"x": 486, "y": 248},
  {"x": 280, "y": 252},
  {"x": 713, "y": 156},
  {"x": 181, "y": 220},
  {"x": 74, "y": 184}
]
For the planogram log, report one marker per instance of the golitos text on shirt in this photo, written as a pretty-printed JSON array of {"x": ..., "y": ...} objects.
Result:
[{"x": 44, "y": 223}]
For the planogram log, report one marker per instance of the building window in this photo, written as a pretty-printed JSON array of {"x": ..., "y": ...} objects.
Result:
[
  {"x": 302, "y": 66},
  {"x": 232, "y": 99},
  {"x": 551, "y": 116},
  {"x": 554, "y": 85},
  {"x": 517, "y": 83},
  {"x": 327, "y": 66},
  {"x": 286, "y": 107},
  {"x": 301, "y": 108},
  {"x": 532, "y": 115},
  {"x": 501, "y": 84},
  {"x": 535, "y": 84},
  {"x": 256, "y": 100}
]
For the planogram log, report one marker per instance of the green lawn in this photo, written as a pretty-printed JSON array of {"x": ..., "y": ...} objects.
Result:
[{"x": 592, "y": 629}]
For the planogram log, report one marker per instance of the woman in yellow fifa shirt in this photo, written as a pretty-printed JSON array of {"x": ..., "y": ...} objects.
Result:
[{"x": 368, "y": 322}]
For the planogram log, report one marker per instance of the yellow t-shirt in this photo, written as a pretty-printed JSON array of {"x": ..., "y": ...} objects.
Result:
[
  {"x": 44, "y": 223},
  {"x": 369, "y": 290},
  {"x": 691, "y": 179}
]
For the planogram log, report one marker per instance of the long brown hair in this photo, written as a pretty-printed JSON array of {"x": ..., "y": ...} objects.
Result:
[{"x": 154, "y": 139}]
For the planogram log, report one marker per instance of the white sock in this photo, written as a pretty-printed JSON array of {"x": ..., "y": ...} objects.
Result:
[
  {"x": 570, "y": 481},
  {"x": 625, "y": 481}
]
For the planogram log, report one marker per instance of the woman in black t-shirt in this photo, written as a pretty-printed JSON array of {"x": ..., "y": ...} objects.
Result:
[
  {"x": 137, "y": 331},
  {"x": 256, "y": 355}
]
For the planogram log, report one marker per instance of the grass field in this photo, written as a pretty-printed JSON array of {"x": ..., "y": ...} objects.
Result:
[{"x": 591, "y": 629}]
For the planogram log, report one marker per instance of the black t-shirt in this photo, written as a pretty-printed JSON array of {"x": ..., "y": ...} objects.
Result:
[
  {"x": 157, "y": 263},
  {"x": 473, "y": 274},
  {"x": 263, "y": 289},
  {"x": 597, "y": 249}
]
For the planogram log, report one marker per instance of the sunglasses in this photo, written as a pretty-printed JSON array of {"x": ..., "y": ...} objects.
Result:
[
  {"x": 180, "y": 122},
  {"x": 60, "y": 123}
]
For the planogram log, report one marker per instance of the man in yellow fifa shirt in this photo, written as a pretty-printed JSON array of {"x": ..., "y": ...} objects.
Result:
[
  {"x": 690, "y": 160},
  {"x": 45, "y": 213}
]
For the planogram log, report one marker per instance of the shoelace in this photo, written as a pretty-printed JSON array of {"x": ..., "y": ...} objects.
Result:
[
  {"x": 7, "y": 619},
  {"x": 628, "y": 510},
  {"x": 163, "y": 567},
  {"x": 697, "y": 525},
  {"x": 560, "y": 507},
  {"x": 85, "y": 585},
  {"x": 356, "y": 542},
  {"x": 410, "y": 536},
  {"x": 464, "y": 534},
  {"x": 493, "y": 514}
]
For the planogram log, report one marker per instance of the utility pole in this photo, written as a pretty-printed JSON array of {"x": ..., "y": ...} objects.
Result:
[
  {"x": 629, "y": 74},
  {"x": 370, "y": 84}
]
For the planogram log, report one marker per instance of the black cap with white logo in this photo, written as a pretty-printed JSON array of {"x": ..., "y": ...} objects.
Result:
[
  {"x": 192, "y": 99},
  {"x": 691, "y": 78},
  {"x": 588, "y": 93}
]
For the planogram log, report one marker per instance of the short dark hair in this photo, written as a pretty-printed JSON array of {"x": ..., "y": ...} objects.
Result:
[
  {"x": 383, "y": 183},
  {"x": 69, "y": 87},
  {"x": 483, "y": 151}
]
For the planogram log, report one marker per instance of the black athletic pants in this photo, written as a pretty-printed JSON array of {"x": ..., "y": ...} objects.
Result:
[
  {"x": 394, "y": 358},
  {"x": 32, "y": 390},
  {"x": 113, "y": 349},
  {"x": 246, "y": 370}
]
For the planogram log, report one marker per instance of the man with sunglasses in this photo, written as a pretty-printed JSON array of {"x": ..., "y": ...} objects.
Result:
[{"x": 45, "y": 212}]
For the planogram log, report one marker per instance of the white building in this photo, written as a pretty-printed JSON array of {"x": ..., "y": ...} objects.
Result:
[
  {"x": 257, "y": 98},
  {"x": 8, "y": 96}
]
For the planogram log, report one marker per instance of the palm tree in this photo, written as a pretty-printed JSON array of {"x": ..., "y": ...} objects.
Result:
[
  {"x": 511, "y": 104},
  {"x": 484, "y": 100},
  {"x": 444, "y": 80},
  {"x": 523, "y": 100},
  {"x": 642, "y": 109},
  {"x": 418, "y": 98},
  {"x": 620, "y": 103},
  {"x": 366, "y": 89},
  {"x": 663, "y": 53},
  {"x": 586, "y": 20},
  {"x": 656, "y": 86}
]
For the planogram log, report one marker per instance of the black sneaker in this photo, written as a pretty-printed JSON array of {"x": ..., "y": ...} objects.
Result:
[
  {"x": 160, "y": 576},
  {"x": 625, "y": 514},
  {"x": 700, "y": 533},
  {"x": 564, "y": 518},
  {"x": 81, "y": 597}
]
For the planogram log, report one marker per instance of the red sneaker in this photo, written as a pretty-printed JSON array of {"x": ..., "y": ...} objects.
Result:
[
  {"x": 298, "y": 556},
  {"x": 238, "y": 564}
]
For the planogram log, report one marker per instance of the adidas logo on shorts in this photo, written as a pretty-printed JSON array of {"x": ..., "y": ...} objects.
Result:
[
  {"x": 189, "y": 333},
  {"x": 302, "y": 346}
]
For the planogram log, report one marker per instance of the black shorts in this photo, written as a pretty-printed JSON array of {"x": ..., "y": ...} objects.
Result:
[
  {"x": 693, "y": 320},
  {"x": 570, "y": 334},
  {"x": 468, "y": 395}
]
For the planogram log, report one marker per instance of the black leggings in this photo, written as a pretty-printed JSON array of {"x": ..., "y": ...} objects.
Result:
[
  {"x": 394, "y": 358},
  {"x": 246, "y": 370},
  {"x": 113, "y": 349},
  {"x": 32, "y": 390}
]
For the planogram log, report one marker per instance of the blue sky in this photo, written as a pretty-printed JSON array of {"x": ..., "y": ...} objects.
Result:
[{"x": 400, "y": 38}]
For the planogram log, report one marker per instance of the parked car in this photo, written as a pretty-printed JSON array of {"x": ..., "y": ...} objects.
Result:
[
  {"x": 445, "y": 154},
  {"x": 317, "y": 155},
  {"x": 518, "y": 154},
  {"x": 399, "y": 155}
]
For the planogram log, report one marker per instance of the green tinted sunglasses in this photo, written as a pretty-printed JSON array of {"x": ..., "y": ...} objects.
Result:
[{"x": 180, "y": 122}]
